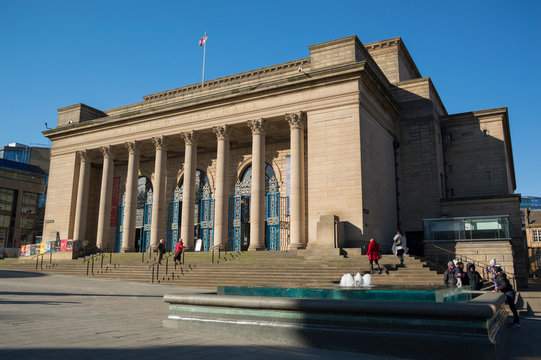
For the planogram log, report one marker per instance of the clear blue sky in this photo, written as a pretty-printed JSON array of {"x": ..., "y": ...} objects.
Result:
[{"x": 479, "y": 54}]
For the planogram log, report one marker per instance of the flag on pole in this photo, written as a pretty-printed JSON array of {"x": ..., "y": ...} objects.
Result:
[{"x": 203, "y": 40}]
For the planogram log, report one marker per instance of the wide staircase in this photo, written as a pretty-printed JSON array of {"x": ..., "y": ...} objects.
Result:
[{"x": 205, "y": 270}]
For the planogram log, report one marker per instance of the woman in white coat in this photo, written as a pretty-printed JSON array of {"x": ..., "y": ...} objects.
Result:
[{"x": 399, "y": 246}]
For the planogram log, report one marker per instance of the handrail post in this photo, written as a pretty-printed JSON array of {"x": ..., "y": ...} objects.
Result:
[
  {"x": 183, "y": 254},
  {"x": 110, "y": 257},
  {"x": 37, "y": 262},
  {"x": 92, "y": 265},
  {"x": 142, "y": 256},
  {"x": 42, "y": 261},
  {"x": 166, "y": 266},
  {"x": 219, "y": 255},
  {"x": 87, "y": 266},
  {"x": 101, "y": 266},
  {"x": 152, "y": 273},
  {"x": 51, "y": 259},
  {"x": 158, "y": 271},
  {"x": 213, "y": 255}
]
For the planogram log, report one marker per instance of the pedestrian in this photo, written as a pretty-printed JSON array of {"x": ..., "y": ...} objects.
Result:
[
  {"x": 399, "y": 246},
  {"x": 505, "y": 287},
  {"x": 449, "y": 278},
  {"x": 373, "y": 255},
  {"x": 179, "y": 247},
  {"x": 473, "y": 277},
  {"x": 459, "y": 274},
  {"x": 161, "y": 251},
  {"x": 492, "y": 273}
]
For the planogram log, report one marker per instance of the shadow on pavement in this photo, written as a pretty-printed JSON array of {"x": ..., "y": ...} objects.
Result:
[
  {"x": 6, "y": 274},
  {"x": 36, "y": 302},
  {"x": 23, "y": 293}
]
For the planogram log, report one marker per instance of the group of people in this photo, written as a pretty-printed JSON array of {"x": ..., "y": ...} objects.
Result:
[
  {"x": 179, "y": 248},
  {"x": 455, "y": 276},
  {"x": 399, "y": 249}
]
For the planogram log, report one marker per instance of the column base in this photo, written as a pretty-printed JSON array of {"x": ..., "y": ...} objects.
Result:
[
  {"x": 296, "y": 246},
  {"x": 257, "y": 248},
  {"x": 126, "y": 250}
]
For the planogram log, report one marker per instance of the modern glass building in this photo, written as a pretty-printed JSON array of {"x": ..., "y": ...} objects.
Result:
[{"x": 532, "y": 202}]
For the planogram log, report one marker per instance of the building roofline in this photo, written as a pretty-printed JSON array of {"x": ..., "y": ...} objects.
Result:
[{"x": 401, "y": 46}]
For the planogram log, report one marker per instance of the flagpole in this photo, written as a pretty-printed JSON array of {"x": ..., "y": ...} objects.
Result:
[{"x": 204, "y": 54}]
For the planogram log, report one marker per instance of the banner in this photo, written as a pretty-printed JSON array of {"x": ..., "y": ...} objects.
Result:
[
  {"x": 114, "y": 200},
  {"x": 23, "y": 250}
]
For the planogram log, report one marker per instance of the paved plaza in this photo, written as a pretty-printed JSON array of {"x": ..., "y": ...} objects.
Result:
[{"x": 59, "y": 317}]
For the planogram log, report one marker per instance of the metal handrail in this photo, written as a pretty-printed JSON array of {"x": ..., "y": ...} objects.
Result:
[
  {"x": 484, "y": 266},
  {"x": 219, "y": 246}
]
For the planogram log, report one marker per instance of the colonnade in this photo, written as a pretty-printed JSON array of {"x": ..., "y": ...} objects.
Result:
[{"x": 297, "y": 123}]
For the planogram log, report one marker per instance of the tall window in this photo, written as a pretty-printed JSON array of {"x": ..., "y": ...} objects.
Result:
[{"x": 536, "y": 234}]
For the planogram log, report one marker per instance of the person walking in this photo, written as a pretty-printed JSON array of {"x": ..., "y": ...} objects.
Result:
[
  {"x": 179, "y": 247},
  {"x": 373, "y": 255},
  {"x": 161, "y": 251},
  {"x": 449, "y": 278},
  {"x": 505, "y": 287},
  {"x": 399, "y": 246}
]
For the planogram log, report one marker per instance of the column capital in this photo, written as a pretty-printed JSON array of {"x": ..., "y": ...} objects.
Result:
[
  {"x": 82, "y": 155},
  {"x": 132, "y": 146},
  {"x": 258, "y": 126},
  {"x": 296, "y": 120},
  {"x": 190, "y": 137},
  {"x": 106, "y": 151},
  {"x": 222, "y": 132},
  {"x": 160, "y": 142}
]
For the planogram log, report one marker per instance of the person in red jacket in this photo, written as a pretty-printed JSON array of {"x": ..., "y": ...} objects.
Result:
[
  {"x": 178, "y": 251},
  {"x": 373, "y": 255}
]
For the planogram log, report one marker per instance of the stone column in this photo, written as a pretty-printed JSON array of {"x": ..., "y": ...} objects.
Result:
[
  {"x": 257, "y": 198},
  {"x": 221, "y": 194},
  {"x": 158, "y": 200},
  {"x": 297, "y": 123},
  {"x": 188, "y": 197},
  {"x": 104, "y": 217},
  {"x": 130, "y": 209},
  {"x": 82, "y": 197}
]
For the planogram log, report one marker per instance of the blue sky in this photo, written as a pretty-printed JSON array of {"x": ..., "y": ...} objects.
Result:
[{"x": 479, "y": 54}]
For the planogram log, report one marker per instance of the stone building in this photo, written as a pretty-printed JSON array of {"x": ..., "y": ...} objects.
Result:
[{"x": 322, "y": 152}]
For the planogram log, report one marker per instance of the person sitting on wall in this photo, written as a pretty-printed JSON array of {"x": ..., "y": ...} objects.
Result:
[
  {"x": 373, "y": 255},
  {"x": 474, "y": 277},
  {"x": 505, "y": 287},
  {"x": 179, "y": 247},
  {"x": 161, "y": 251},
  {"x": 449, "y": 278}
]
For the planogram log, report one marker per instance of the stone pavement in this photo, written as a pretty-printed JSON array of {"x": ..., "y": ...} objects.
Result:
[
  {"x": 58, "y": 316},
  {"x": 63, "y": 317}
]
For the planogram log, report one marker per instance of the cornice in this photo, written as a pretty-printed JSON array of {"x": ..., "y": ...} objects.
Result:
[{"x": 143, "y": 109}]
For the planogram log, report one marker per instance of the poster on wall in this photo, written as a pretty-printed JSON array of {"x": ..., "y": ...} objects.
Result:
[
  {"x": 23, "y": 250},
  {"x": 42, "y": 248},
  {"x": 32, "y": 249},
  {"x": 48, "y": 246},
  {"x": 66, "y": 245},
  {"x": 114, "y": 200}
]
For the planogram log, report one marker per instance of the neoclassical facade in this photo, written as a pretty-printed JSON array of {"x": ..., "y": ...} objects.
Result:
[{"x": 323, "y": 152}]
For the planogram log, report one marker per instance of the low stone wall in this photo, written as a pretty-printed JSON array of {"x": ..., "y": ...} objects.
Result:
[{"x": 395, "y": 328}]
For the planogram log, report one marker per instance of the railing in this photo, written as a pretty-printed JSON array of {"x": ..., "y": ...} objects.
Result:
[
  {"x": 41, "y": 256},
  {"x": 156, "y": 267},
  {"x": 90, "y": 262},
  {"x": 219, "y": 252},
  {"x": 482, "y": 265},
  {"x": 149, "y": 249}
]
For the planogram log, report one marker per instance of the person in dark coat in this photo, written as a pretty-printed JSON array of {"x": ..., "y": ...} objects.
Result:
[
  {"x": 474, "y": 278},
  {"x": 505, "y": 287},
  {"x": 373, "y": 255},
  {"x": 161, "y": 251},
  {"x": 449, "y": 278}
]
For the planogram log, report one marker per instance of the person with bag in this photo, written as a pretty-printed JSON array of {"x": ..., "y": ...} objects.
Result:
[
  {"x": 179, "y": 247},
  {"x": 373, "y": 255}
]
